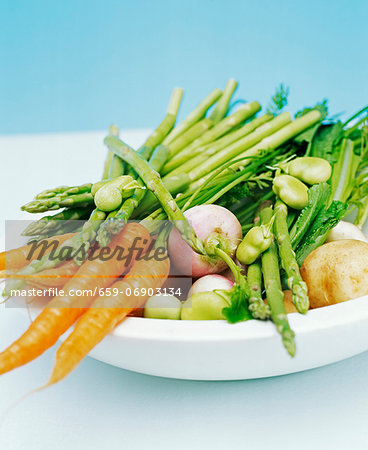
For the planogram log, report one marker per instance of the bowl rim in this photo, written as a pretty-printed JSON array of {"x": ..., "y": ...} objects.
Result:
[{"x": 337, "y": 315}]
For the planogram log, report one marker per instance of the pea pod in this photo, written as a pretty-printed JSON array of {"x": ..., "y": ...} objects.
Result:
[
  {"x": 310, "y": 169},
  {"x": 255, "y": 242},
  {"x": 291, "y": 191}
]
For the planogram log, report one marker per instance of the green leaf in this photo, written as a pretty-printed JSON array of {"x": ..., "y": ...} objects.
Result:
[
  {"x": 237, "y": 311},
  {"x": 318, "y": 197},
  {"x": 325, "y": 140},
  {"x": 318, "y": 231},
  {"x": 279, "y": 100},
  {"x": 308, "y": 135}
]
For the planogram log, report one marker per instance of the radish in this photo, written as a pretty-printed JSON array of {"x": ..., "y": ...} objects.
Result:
[
  {"x": 210, "y": 222},
  {"x": 210, "y": 283}
]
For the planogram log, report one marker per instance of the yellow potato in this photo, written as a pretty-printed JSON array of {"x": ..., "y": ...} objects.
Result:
[
  {"x": 336, "y": 272},
  {"x": 288, "y": 302}
]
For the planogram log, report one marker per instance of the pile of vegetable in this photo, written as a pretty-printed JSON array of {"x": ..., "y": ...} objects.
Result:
[{"x": 244, "y": 201}]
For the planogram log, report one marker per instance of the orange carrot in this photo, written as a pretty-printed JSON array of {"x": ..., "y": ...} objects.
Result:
[
  {"x": 55, "y": 277},
  {"x": 19, "y": 257},
  {"x": 63, "y": 311},
  {"x": 100, "y": 320}
]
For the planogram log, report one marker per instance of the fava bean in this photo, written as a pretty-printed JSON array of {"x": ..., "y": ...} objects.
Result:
[
  {"x": 310, "y": 169},
  {"x": 108, "y": 198},
  {"x": 255, "y": 242},
  {"x": 125, "y": 182},
  {"x": 291, "y": 191}
]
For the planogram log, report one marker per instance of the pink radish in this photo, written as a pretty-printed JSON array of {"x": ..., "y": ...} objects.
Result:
[
  {"x": 210, "y": 283},
  {"x": 208, "y": 221}
]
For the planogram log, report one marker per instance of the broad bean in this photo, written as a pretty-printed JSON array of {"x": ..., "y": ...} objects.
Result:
[{"x": 291, "y": 191}]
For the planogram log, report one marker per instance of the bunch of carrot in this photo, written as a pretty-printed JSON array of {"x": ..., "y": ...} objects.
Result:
[{"x": 96, "y": 318}]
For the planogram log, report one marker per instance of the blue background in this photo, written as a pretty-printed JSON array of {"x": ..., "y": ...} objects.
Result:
[{"x": 82, "y": 64}]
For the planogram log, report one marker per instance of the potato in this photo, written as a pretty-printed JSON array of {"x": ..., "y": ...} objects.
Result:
[
  {"x": 288, "y": 302},
  {"x": 336, "y": 272}
]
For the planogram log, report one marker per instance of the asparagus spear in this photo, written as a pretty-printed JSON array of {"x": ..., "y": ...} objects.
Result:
[
  {"x": 286, "y": 133},
  {"x": 64, "y": 190},
  {"x": 163, "y": 130},
  {"x": 258, "y": 308},
  {"x": 59, "y": 201},
  {"x": 275, "y": 296},
  {"x": 117, "y": 166},
  {"x": 89, "y": 231},
  {"x": 117, "y": 221},
  {"x": 153, "y": 182},
  {"x": 197, "y": 114},
  {"x": 156, "y": 137},
  {"x": 222, "y": 105},
  {"x": 47, "y": 224},
  {"x": 268, "y": 143},
  {"x": 194, "y": 132},
  {"x": 224, "y": 126},
  {"x": 288, "y": 261},
  {"x": 202, "y": 154},
  {"x": 233, "y": 151}
]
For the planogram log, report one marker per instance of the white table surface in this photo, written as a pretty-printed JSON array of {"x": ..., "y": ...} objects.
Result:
[{"x": 102, "y": 407}]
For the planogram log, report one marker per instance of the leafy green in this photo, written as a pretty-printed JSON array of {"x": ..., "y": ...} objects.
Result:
[
  {"x": 307, "y": 136},
  {"x": 318, "y": 197},
  {"x": 246, "y": 189},
  {"x": 325, "y": 140},
  {"x": 237, "y": 310},
  {"x": 279, "y": 100},
  {"x": 318, "y": 231}
]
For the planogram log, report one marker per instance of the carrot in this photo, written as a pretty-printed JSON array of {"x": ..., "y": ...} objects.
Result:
[
  {"x": 100, "y": 320},
  {"x": 63, "y": 311},
  {"x": 55, "y": 277},
  {"x": 19, "y": 257}
]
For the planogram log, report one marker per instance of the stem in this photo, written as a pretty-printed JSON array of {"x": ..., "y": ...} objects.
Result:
[
  {"x": 288, "y": 261},
  {"x": 222, "y": 106},
  {"x": 236, "y": 270},
  {"x": 198, "y": 113},
  {"x": 154, "y": 183},
  {"x": 275, "y": 296},
  {"x": 355, "y": 116}
]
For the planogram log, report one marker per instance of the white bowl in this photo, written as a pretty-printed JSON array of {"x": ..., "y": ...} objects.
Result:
[{"x": 216, "y": 350}]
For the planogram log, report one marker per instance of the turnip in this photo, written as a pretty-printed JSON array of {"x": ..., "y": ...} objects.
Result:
[
  {"x": 202, "y": 302},
  {"x": 346, "y": 230},
  {"x": 211, "y": 223},
  {"x": 210, "y": 283}
]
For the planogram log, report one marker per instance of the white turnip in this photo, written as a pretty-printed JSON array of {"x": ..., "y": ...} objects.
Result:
[
  {"x": 209, "y": 222},
  {"x": 210, "y": 283}
]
